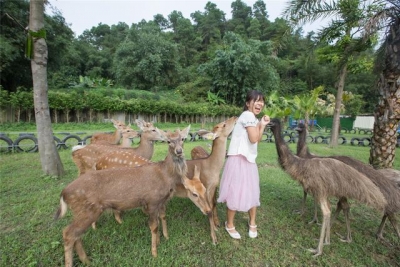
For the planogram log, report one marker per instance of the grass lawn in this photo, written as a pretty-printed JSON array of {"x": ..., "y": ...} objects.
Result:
[{"x": 30, "y": 236}]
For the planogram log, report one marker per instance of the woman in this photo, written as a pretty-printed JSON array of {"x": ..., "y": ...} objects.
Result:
[{"x": 240, "y": 185}]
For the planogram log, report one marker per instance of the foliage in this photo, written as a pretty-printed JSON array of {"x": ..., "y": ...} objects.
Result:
[
  {"x": 239, "y": 66},
  {"x": 87, "y": 82},
  {"x": 247, "y": 51}
]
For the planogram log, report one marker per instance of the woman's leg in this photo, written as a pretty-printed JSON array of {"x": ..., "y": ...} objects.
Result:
[
  {"x": 230, "y": 216},
  {"x": 252, "y": 219}
]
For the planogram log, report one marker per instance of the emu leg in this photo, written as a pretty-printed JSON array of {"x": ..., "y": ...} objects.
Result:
[
  {"x": 379, "y": 234},
  {"x": 346, "y": 211},
  {"x": 303, "y": 204},
  {"x": 325, "y": 229},
  {"x": 337, "y": 211},
  {"x": 315, "y": 218},
  {"x": 393, "y": 221}
]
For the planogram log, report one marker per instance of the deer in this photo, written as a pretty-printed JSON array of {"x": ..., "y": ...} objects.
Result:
[
  {"x": 93, "y": 192},
  {"x": 211, "y": 167},
  {"x": 114, "y": 138},
  {"x": 86, "y": 158}
]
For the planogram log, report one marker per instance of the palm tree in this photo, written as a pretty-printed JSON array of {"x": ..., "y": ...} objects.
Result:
[
  {"x": 342, "y": 33},
  {"x": 387, "y": 111}
]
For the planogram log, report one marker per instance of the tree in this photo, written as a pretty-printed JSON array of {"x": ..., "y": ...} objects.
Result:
[
  {"x": 387, "y": 111},
  {"x": 49, "y": 157},
  {"x": 341, "y": 32},
  {"x": 239, "y": 66}
]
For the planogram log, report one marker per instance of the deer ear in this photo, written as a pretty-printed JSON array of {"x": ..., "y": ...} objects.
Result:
[
  {"x": 184, "y": 133},
  {"x": 139, "y": 123},
  {"x": 210, "y": 136}
]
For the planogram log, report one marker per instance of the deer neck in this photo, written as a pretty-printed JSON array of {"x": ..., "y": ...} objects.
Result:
[
  {"x": 175, "y": 168},
  {"x": 126, "y": 142},
  {"x": 218, "y": 151},
  {"x": 117, "y": 136},
  {"x": 145, "y": 148}
]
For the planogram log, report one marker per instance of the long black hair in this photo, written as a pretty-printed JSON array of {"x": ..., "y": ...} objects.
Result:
[{"x": 253, "y": 95}]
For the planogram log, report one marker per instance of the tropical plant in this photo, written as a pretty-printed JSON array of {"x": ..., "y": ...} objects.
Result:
[
  {"x": 346, "y": 46},
  {"x": 387, "y": 111}
]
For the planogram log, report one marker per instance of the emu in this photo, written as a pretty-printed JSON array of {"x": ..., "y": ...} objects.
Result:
[
  {"x": 382, "y": 179},
  {"x": 324, "y": 178}
]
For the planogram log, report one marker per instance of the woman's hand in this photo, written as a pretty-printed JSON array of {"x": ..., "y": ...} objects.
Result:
[{"x": 265, "y": 120}]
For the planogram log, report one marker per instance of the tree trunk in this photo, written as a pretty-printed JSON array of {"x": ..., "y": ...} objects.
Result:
[
  {"x": 387, "y": 112},
  {"x": 338, "y": 104},
  {"x": 49, "y": 157}
]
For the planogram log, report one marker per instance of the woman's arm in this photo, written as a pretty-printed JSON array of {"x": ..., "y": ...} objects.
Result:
[{"x": 255, "y": 133}]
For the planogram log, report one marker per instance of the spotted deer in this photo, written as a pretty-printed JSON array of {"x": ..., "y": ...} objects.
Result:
[
  {"x": 93, "y": 192},
  {"x": 86, "y": 158}
]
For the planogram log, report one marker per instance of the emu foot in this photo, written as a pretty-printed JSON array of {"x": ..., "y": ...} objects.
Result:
[
  {"x": 384, "y": 241},
  {"x": 300, "y": 212},
  {"x": 346, "y": 239},
  {"x": 314, "y": 220},
  {"x": 316, "y": 252}
]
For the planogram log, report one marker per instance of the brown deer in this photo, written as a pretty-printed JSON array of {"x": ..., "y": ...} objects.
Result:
[
  {"x": 113, "y": 138},
  {"x": 211, "y": 168},
  {"x": 86, "y": 157},
  {"x": 149, "y": 186}
]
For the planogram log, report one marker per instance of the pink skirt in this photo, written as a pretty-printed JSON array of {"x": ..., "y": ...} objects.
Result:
[{"x": 240, "y": 184}]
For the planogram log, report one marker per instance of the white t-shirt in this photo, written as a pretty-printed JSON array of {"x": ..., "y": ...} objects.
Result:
[{"x": 240, "y": 143}]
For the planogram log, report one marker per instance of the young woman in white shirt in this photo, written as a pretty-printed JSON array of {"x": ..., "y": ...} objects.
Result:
[{"x": 240, "y": 183}]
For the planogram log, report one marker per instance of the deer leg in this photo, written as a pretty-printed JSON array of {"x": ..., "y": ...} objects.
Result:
[
  {"x": 212, "y": 228},
  {"x": 117, "y": 216},
  {"x": 72, "y": 237},
  {"x": 164, "y": 221},
  {"x": 214, "y": 208},
  {"x": 153, "y": 225},
  {"x": 81, "y": 252},
  {"x": 325, "y": 229}
]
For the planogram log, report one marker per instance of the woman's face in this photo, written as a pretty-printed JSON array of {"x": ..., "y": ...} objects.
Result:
[{"x": 255, "y": 106}]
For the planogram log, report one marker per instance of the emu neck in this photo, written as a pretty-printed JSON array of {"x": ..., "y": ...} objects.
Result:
[{"x": 302, "y": 149}]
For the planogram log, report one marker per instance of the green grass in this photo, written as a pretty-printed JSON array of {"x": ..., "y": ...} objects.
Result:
[{"x": 30, "y": 237}]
